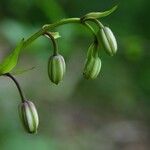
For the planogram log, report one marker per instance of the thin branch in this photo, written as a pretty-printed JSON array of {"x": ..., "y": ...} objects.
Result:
[{"x": 17, "y": 85}]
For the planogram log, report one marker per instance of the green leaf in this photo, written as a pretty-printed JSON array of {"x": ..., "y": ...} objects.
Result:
[
  {"x": 97, "y": 15},
  {"x": 56, "y": 35},
  {"x": 21, "y": 71},
  {"x": 11, "y": 61}
]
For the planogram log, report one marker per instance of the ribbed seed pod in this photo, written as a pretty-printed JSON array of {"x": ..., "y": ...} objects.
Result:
[
  {"x": 56, "y": 68},
  {"x": 108, "y": 40},
  {"x": 29, "y": 116},
  {"x": 92, "y": 50},
  {"x": 93, "y": 63},
  {"x": 92, "y": 67}
]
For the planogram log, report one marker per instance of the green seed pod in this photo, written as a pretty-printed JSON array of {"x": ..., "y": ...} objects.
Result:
[
  {"x": 29, "y": 116},
  {"x": 92, "y": 67},
  {"x": 108, "y": 40},
  {"x": 93, "y": 50},
  {"x": 56, "y": 68}
]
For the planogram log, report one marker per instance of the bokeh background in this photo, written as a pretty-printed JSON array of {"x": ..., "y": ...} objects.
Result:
[{"x": 109, "y": 113}]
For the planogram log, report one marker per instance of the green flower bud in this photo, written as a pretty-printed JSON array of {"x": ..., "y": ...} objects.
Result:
[
  {"x": 56, "y": 68},
  {"x": 29, "y": 116},
  {"x": 108, "y": 40},
  {"x": 93, "y": 63},
  {"x": 93, "y": 50},
  {"x": 92, "y": 67}
]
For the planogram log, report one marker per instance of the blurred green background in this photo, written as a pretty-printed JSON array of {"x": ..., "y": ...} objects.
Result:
[{"x": 109, "y": 113}]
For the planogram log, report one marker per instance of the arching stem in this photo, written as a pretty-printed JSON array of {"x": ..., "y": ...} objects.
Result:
[
  {"x": 55, "y": 45},
  {"x": 91, "y": 29},
  {"x": 97, "y": 22},
  {"x": 17, "y": 85},
  {"x": 48, "y": 27}
]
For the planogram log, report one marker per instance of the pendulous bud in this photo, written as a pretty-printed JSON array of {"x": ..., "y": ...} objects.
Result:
[
  {"x": 56, "y": 68},
  {"x": 93, "y": 63},
  {"x": 92, "y": 67},
  {"x": 29, "y": 116},
  {"x": 93, "y": 50},
  {"x": 108, "y": 40}
]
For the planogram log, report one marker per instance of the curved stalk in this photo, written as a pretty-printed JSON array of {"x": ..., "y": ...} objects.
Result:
[
  {"x": 91, "y": 29},
  {"x": 17, "y": 85},
  {"x": 54, "y": 42},
  {"x": 48, "y": 27},
  {"x": 97, "y": 22}
]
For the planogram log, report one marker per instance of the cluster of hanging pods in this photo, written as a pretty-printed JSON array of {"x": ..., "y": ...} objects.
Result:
[
  {"x": 103, "y": 39},
  {"x": 57, "y": 68}
]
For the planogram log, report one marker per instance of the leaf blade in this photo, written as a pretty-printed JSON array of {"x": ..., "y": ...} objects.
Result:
[
  {"x": 97, "y": 15},
  {"x": 21, "y": 71},
  {"x": 56, "y": 35},
  {"x": 11, "y": 61}
]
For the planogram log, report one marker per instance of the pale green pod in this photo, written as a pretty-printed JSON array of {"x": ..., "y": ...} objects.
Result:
[
  {"x": 108, "y": 40},
  {"x": 92, "y": 67},
  {"x": 29, "y": 116},
  {"x": 88, "y": 67},
  {"x": 97, "y": 68},
  {"x": 56, "y": 68},
  {"x": 92, "y": 50}
]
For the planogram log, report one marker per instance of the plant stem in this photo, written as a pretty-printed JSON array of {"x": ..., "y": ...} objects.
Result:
[
  {"x": 91, "y": 29},
  {"x": 97, "y": 22},
  {"x": 17, "y": 85},
  {"x": 55, "y": 45},
  {"x": 48, "y": 27}
]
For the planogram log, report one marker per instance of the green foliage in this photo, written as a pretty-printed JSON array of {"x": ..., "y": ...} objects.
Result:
[
  {"x": 97, "y": 15},
  {"x": 11, "y": 61},
  {"x": 21, "y": 71},
  {"x": 79, "y": 114},
  {"x": 56, "y": 35}
]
